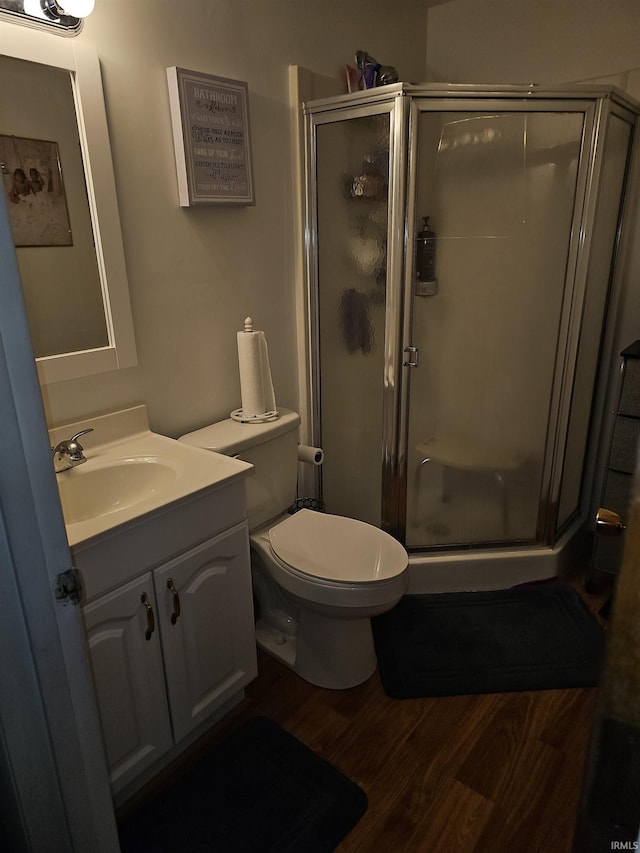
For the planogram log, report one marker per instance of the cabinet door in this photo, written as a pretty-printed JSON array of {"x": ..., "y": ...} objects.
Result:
[
  {"x": 129, "y": 679},
  {"x": 209, "y": 648}
]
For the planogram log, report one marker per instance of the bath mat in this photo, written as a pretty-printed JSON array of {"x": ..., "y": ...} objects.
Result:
[
  {"x": 259, "y": 790},
  {"x": 535, "y": 637}
]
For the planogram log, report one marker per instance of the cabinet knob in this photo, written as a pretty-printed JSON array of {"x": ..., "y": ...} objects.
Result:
[
  {"x": 151, "y": 623},
  {"x": 176, "y": 601},
  {"x": 608, "y": 522}
]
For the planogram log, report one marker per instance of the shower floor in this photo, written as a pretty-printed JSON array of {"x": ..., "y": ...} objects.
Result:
[{"x": 463, "y": 507}]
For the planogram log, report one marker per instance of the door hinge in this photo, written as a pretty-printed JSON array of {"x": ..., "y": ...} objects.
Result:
[
  {"x": 69, "y": 586},
  {"x": 413, "y": 353}
]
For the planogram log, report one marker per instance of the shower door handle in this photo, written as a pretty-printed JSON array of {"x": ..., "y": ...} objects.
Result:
[{"x": 412, "y": 354}]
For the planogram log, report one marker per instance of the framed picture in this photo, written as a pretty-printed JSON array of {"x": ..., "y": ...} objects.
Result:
[
  {"x": 34, "y": 189},
  {"x": 210, "y": 118}
]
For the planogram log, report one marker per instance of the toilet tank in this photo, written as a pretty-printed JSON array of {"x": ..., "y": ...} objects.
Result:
[{"x": 271, "y": 447}]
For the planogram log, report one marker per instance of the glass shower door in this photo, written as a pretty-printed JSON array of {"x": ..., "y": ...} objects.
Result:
[
  {"x": 488, "y": 318},
  {"x": 352, "y": 152}
]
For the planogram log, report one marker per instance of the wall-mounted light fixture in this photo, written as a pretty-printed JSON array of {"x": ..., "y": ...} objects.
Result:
[
  {"x": 66, "y": 16},
  {"x": 55, "y": 10}
]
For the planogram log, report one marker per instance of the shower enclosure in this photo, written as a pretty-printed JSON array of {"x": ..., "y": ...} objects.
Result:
[{"x": 454, "y": 359}]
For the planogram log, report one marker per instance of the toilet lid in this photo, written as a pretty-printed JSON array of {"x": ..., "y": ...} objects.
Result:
[{"x": 337, "y": 548}]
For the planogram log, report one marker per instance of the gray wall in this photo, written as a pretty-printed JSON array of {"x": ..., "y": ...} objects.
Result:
[{"x": 195, "y": 274}]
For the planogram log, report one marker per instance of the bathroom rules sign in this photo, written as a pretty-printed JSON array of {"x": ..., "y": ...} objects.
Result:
[{"x": 210, "y": 119}]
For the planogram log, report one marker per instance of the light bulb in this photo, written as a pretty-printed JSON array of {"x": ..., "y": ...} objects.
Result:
[
  {"x": 77, "y": 8},
  {"x": 34, "y": 8}
]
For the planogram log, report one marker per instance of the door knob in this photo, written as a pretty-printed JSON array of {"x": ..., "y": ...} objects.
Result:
[{"x": 608, "y": 522}]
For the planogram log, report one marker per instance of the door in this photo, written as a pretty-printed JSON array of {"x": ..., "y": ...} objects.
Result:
[
  {"x": 609, "y": 812},
  {"x": 56, "y": 787},
  {"x": 495, "y": 323},
  {"x": 207, "y": 627},
  {"x": 355, "y": 212},
  {"x": 126, "y": 662}
]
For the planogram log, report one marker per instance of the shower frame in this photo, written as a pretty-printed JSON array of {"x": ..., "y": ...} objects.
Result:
[{"x": 404, "y": 103}]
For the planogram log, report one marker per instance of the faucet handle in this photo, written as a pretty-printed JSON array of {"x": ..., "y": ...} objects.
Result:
[{"x": 78, "y": 434}]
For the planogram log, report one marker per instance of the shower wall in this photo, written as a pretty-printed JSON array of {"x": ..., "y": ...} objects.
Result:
[{"x": 455, "y": 412}]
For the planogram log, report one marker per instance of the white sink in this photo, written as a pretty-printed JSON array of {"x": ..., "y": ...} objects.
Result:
[
  {"x": 113, "y": 485},
  {"x": 131, "y": 472}
]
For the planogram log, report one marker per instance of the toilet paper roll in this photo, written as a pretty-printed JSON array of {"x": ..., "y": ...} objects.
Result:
[
  {"x": 314, "y": 455},
  {"x": 256, "y": 388}
]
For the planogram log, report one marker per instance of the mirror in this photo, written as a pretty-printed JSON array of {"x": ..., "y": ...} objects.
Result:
[
  {"x": 57, "y": 175},
  {"x": 44, "y": 185}
]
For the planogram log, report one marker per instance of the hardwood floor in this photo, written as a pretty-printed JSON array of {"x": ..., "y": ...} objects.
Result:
[{"x": 494, "y": 773}]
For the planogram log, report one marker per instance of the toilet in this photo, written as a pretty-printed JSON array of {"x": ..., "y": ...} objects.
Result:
[{"x": 317, "y": 578}]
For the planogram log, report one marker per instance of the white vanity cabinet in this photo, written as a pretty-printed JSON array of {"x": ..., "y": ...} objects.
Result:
[{"x": 158, "y": 533}]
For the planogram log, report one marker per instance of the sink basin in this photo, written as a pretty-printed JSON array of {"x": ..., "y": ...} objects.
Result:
[
  {"x": 91, "y": 491},
  {"x": 131, "y": 475}
]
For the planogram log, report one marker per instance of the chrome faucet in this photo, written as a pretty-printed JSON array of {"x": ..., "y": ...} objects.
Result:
[{"x": 67, "y": 454}]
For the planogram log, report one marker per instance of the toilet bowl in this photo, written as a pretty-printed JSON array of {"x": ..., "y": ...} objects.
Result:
[
  {"x": 318, "y": 578},
  {"x": 333, "y": 575}
]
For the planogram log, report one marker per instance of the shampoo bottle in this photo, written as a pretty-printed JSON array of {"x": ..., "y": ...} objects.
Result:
[{"x": 426, "y": 253}]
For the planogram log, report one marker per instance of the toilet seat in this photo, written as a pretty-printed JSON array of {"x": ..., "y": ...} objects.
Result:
[{"x": 336, "y": 550}]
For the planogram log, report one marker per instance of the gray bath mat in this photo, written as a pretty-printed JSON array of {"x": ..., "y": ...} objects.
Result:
[
  {"x": 260, "y": 791},
  {"x": 534, "y": 637}
]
